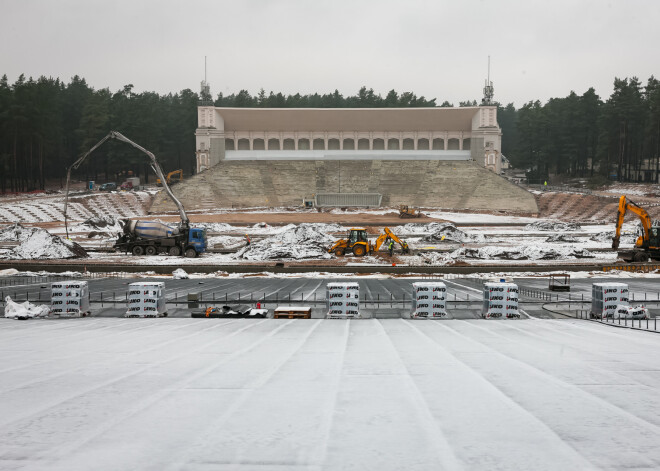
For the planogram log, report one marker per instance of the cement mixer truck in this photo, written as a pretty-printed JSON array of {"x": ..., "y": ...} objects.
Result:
[
  {"x": 141, "y": 237},
  {"x": 149, "y": 237}
]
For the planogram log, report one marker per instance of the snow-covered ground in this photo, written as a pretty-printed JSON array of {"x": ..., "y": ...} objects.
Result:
[{"x": 267, "y": 394}]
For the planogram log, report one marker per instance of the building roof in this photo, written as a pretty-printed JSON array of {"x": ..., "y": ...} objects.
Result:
[{"x": 347, "y": 119}]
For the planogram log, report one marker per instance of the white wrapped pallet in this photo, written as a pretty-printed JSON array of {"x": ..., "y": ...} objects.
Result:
[
  {"x": 146, "y": 299},
  {"x": 69, "y": 299},
  {"x": 343, "y": 300},
  {"x": 605, "y": 297},
  {"x": 429, "y": 300},
  {"x": 500, "y": 300}
]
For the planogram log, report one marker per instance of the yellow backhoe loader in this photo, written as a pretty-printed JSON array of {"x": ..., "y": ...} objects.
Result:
[
  {"x": 169, "y": 177},
  {"x": 648, "y": 244},
  {"x": 358, "y": 243}
]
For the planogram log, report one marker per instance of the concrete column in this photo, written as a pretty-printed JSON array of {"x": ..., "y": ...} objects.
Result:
[
  {"x": 400, "y": 141},
  {"x": 371, "y": 141},
  {"x": 446, "y": 139},
  {"x": 341, "y": 141},
  {"x": 251, "y": 139},
  {"x": 460, "y": 141},
  {"x": 325, "y": 141},
  {"x": 415, "y": 141}
]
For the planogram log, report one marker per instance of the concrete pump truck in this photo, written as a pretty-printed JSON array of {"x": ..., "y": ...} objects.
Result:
[{"x": 150, "y": 237}]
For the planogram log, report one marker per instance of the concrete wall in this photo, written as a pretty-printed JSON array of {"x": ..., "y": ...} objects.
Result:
[{"x": 426, "y": 183}]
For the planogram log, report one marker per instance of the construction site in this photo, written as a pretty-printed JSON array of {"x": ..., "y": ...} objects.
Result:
[{"x": 328, "y": 295}]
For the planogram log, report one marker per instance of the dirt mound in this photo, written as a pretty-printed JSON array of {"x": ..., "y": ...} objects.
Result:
[
  {"x": 306, "y": 241},
  {"x": 36, "y": 243},
  {"x": 553, "y": 226}
]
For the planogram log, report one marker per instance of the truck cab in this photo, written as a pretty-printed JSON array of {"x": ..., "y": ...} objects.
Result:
[{"x": 197, "y": 239}]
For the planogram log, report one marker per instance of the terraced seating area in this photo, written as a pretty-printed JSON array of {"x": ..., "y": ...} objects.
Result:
[
  {"x": 41, "y": 208},
  {"x": 425, "y": 183},
  {"x": 589, "y": 208}
]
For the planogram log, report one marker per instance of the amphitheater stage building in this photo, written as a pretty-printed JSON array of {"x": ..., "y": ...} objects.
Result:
[{"x": 429, "y": 157}]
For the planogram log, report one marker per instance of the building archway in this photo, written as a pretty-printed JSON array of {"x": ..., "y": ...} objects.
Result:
[
  {"x": 349, "y": 144},
  {"x": 258, "y": 144},
  {"x": 333, "y": 144},
  {"x": 243, "y": 144},
  {"x": 408, "y": 144},
  {"x": 288, "y": 144},
  {"x": 466, "y": 144},
  {"x": 303, "y": 144},
  {"x": 423, "y": 144},
  {"x": 319, "y": 144},
  {"x": 438, "y": 144},
  {"x": 229, "y": 144},
  {"x": 392, "y": 144},
  {"x": 273, "y": 144},
  {"x": 453, "y": 144},
  {"x": 363, "y": 144},
  {"x": 379, "y": 144}
]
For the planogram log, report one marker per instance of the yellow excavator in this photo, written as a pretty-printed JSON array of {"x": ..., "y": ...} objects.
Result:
[
  {"x": 169, "y": 177},
  {"x": 358, "y": 243},
  {"x": 647, "y": 245}
]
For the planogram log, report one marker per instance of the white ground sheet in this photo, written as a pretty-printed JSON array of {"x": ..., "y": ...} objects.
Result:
[{"x": 167, "y": 394}]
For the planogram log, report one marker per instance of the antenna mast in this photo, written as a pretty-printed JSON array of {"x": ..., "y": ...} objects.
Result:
[
  {"x": 205, "y": 90},
  {"x": 489, "y": 90}
]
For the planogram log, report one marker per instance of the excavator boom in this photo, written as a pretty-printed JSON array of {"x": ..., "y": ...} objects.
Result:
[{"x": 640, "y": 212}]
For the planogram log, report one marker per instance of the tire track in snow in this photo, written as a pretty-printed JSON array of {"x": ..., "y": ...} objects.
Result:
[
  {"x": 194, "y": 449},
  {"x": 80, "y": 367},
  {"x": 502, "y": 395},
  {"x": 443, "y": 450},
  {"x": 120, "y": 377},
  {"x": 137, "y": 408},
  {"x": 649, "y": 427}
]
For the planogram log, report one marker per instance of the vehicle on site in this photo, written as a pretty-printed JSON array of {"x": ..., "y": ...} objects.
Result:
[
  {"x": 406, "y": 211},
  {"x": 647, "y": 245},
  {"x": 623, "y": 311},
  {"x": 149, "y": 237},
  {"x": 130, "y": 183},
  {"x": 357, "y": 242},
  {"x": 241, "y": 312},
  {"x": 108, "y": 187},
  {"x": 170, "y": 177}
]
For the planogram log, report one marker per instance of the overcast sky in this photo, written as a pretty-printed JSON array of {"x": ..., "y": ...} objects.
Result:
[{"x": 439, "y": 49}]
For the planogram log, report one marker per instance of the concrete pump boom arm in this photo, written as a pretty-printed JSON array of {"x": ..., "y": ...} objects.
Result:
[
  {"x": 639, "y": 212},
  {"x": 185, "y": 222}
]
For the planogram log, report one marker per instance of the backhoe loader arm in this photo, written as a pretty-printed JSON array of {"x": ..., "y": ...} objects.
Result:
[
  {"x": 383, "y": 237},
  {"x": 185, "y": 222},
  {"x": 639, "y": 212}
]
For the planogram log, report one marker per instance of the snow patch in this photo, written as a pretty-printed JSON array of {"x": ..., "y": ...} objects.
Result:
[
  {"x": 25, "y": 310},
  {"x": 552, "y": 226},
  {"x": 37, "y": 243}
]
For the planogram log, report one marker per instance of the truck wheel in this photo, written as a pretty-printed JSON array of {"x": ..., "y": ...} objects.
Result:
[
  {"x": 175, "y": 251},
  {"x": 359, "y": 250},
  {"x": 339, "y": 252},
  {"x": 138, "y": 250},
  {"x": 191, "y": 253},
  {"x": 150, "y": 250}
]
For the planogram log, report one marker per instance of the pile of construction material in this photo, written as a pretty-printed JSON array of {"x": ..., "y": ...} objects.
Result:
[
  {"x": 70, "y": 299},
  {"x": 25, "y": 310},
  {"x": 554, "y": 226},
  {"x": 500, "y": 300},
  {"x": 146, "y": 299},
  {"x": 36, "y": 243},
  {"x": 429, "y": 300},
  {"x": 524, "y": 252},
  {"x": 606, "y": 297},
  {"x": 343, "y": 300},
  {"x": 304, "y": 241}
]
